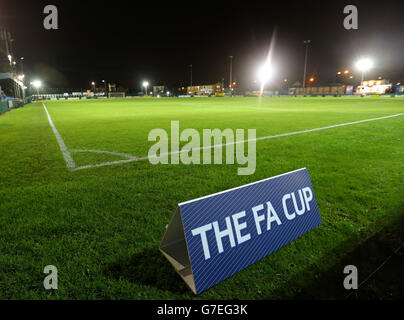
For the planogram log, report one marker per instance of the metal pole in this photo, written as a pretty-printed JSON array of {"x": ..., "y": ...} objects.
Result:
[
  {"x": 306, "y": 42},
  {"x": 192, "y": 89},
  {"x": 231, "y": 74},
  {"x": 22, "y": 65}
]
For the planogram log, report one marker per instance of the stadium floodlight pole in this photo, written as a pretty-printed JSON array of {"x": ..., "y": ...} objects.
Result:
[
  {"x": 105, "y": 87},
  {"x": 231, "y": 75},
  {"x": 191, "y": 77},
  {"x": 265, "y": 73},
  {"x": 364, "y": 65},
  {"x": 37, "y": 84},
  {"x": 22, "y": 65},
  {"x": 306, "y": 42},
  {"x": 145, "y": 84}
]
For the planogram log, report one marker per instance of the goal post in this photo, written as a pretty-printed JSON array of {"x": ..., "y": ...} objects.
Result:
[{"x": 116, "y": 95}]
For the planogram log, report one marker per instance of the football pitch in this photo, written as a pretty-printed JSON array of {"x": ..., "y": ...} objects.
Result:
[{"x": 77, "y": 190}]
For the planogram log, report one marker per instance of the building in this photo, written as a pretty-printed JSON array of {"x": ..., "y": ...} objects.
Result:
[
  {"x": 323, "y": 90},
  {"x": 205, "y": 90},
  {"x": 159, "y": 90},
  {"x": 373, "y": 87}
]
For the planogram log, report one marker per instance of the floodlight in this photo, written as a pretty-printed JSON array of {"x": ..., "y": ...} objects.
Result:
[
  {"x": 364, "y": 64},
  {"x": 21, "y": 77},
  {"x": 37, "y": 84},
  {"x": 93, "y": 83},
  {"x": 145, "y": 84},
  {"x": 9, "y": 57},
  {"x": 265, "y": 73}
]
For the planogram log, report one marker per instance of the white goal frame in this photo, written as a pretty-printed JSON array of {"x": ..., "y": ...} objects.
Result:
[{"x": 116, "y": 94}]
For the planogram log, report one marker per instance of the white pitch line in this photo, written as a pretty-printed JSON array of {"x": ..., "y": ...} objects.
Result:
[
  {"x": 70, "y": 164},
  {"x": 236, "y": 142},
  {"x": 120, "y": 154}
]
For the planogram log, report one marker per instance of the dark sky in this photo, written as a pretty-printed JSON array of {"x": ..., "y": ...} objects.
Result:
[{"x": 129, "y": 41}]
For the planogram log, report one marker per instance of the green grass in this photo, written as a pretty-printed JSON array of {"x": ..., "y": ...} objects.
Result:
[{"x": 102, "y": 226}]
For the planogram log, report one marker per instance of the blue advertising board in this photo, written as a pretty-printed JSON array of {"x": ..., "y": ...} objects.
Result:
[{"x": 216, "y": 236}]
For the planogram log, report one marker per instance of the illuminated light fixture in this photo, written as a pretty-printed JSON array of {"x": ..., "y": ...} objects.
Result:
[
  {"x": 339, "y": 72},
  {"x": 265, "y": 73},
  {"x": 311, "y": 79},
  {"x": 346, "y": 71},
  {"x": 351, "y": 77},
  {"x": 168, "y": 93},
  {"x": 93, "y": 83},
  {"x": 21, "y": 77},
  {"x": 364, "y": 65},
  {"x": 9, "y": 57},
  {"x": 285, "y": 80},
  {"x": 36, "y": 83},
  {"x": 145, "y": 84}
]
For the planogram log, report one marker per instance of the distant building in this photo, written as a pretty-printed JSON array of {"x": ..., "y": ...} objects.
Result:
[
  {"x": 159, "y": 90},
  {"x": 373, "y": 87},
  {"x": 205, "y": 90},
  {"x": 324, "y": 90}
]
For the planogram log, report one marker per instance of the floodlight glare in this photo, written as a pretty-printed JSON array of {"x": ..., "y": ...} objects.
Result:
[
  {"x": 265, "y": 73},
  {"x": 37, "y": 84},
  {"x": 145, "y": 84},
  {"x": 364, "y": 64}
]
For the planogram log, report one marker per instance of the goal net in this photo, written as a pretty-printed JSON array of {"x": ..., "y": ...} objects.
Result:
[{"x": 116, "y": 95}]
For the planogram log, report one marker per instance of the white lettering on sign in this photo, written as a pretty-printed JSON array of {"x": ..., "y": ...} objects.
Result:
[{"x": 236, "y": 233}]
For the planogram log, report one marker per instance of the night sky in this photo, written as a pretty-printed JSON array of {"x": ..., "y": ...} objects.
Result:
[{"x": 127, "y": 42}]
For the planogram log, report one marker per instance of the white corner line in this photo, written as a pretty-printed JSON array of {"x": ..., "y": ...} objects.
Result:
[{"x": 70, "y": 164}]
